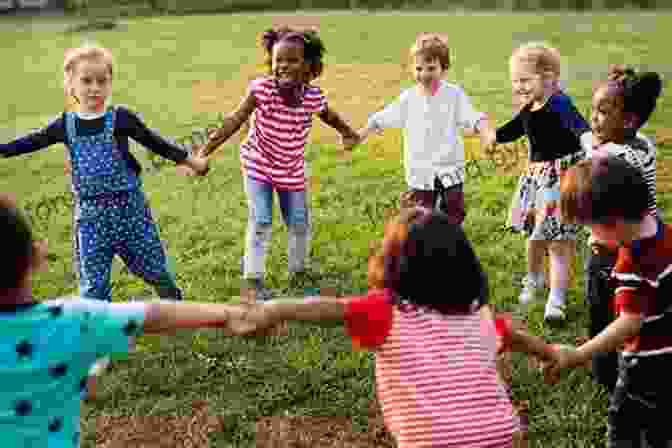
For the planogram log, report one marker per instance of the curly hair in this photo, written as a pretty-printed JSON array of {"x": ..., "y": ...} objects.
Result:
[
  {"x": 432, "y": 46},
  {"x": 313, "y": 47},
  {"x": 639, "y": 91},
  {"x": 419, "y": 249}
]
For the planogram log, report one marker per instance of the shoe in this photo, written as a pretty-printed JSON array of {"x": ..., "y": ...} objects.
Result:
[
  {"x": 554, "y": 312},
  {"x": 531, "y": 289}
]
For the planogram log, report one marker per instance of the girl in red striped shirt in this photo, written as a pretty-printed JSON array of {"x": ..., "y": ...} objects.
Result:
[
  {"x": 435, "y": 351},
  {"x": 272, "y": 156}
]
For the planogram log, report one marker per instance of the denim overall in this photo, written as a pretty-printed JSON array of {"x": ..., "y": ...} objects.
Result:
[{"x": 112, "y": 216}]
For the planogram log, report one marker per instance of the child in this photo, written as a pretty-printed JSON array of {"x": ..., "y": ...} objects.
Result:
[
  {"x": 435, "y": 353},
  {"x": 272, "y": 156},
  {"x": 49, "y": 346},
  {"x": 612, "y": 197},
  {"x": 431, "y": 113},
  {"x": 621, "y": 106},
  {"x": 553, "y": 126},
  {"x": 111, "y": 213}
]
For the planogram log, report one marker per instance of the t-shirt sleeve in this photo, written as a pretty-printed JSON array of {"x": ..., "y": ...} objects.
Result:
[
  {"x": 111, "y": 324},
  {"x": 391, "y": 116},
  {"x": 134, "y": 127},
  {"x": 570, "y": 117},
  {"x": 511, "y": 131},
  {"x": 259, "y": 90},
  {"x": 368, "y": 319},
  {"x": 52, "y": 134},
  {"x": 467, "y": 117},
  {"x": 629, "y": 295}
]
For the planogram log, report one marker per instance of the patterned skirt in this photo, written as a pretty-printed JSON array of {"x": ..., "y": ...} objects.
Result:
[{"x": 535, "y": 208}]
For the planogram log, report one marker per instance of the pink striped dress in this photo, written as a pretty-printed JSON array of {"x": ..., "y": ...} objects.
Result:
[
  {"x": 436, "y": 375},
  {"x": 273, "y": 151}
]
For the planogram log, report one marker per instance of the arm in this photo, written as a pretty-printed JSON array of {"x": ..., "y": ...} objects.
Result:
[
  {"x": 135, "y": 128},
  {"x": 511, "y": 131},
  {"x": 231, "y": 123},
  {"x": 349, "y": 135},
  {"x": 165, "y": 316},
  {"x": 52, "y": 134},
  {"x": 610, "y": 339},
  {"x": 313, "y": 309}
]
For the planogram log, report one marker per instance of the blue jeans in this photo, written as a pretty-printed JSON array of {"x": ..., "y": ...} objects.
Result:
[{"x": 294, "y": 209}]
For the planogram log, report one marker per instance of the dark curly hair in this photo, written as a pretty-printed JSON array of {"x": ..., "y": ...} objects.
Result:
[
  {"x": 421, "y": 247},
  {"x": 313, "y": 47},
  {"x": 639, "y": 91}
]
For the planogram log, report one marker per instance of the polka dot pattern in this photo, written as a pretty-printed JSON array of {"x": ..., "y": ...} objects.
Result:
[
  {"x": 98, "y": 165},
  {"x": 112, "y": 216}
]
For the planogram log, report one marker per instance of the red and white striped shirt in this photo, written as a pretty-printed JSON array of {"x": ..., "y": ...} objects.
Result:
[
  {"x": 436, "y": 374},
  {"x": 274, "y": 149}
]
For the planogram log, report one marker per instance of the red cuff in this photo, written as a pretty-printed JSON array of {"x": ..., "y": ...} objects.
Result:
[
  {"x": 368, "y": 319},
  {"x": 504, "y": 326}
]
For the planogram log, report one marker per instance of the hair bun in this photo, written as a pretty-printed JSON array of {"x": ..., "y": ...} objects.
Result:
[{"x": 651, "y": 83}]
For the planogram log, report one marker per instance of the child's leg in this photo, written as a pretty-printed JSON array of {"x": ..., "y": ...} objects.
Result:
[
  {"x": 560, "y": 253},
  {"x": 258, "y": 233},
  {"x": 599, "y": 294},
  {"x": 139, "y": 245},
  {"x": 94, "y": 260},
  {"x": 534, "y": 280},
  {"x": 294, "y": 208}
]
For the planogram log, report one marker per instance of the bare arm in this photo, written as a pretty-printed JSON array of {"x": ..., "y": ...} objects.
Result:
[
  {"x": 610, "y": 339},
  {"x": 313, "y": 309},
  {"x": 331, "y": 118},
  {"x": 231, "y": 124},
  {"x": 165, "y": 316}
]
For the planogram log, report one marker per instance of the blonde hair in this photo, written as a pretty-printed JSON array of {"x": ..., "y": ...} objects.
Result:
[
  {"x": 544, "y": 59},
  {"x": 432, "y": 46},
  {"x": 73, "y": 56}
]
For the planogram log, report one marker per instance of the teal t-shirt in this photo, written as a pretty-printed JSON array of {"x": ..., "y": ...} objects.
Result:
[{"x": 46, "y": 353}]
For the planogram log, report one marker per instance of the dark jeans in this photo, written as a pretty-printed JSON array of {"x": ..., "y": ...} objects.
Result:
[
  {"x": 449, "y": 200},
  {"x": 641, "y": 404},
  {"x": 600, "y": 295}
]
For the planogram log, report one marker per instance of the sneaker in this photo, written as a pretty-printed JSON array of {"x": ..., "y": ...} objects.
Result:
[
  {"x": 554, "y": 312},
  {"x": 531, "y": 289}
]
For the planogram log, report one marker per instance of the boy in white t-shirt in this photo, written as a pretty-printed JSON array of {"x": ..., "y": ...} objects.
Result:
[{"x": 431, "y": 113}]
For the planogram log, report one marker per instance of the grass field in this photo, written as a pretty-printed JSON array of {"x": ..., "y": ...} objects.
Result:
[{"x": 179, "y": 73}]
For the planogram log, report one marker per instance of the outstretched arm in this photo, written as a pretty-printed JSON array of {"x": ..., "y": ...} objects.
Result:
[
  {"x": 231, "y": 124},
  {"x": 54, "y": 133},
  {"x": 350, "y": 137},
  {"x": 164, "y": 316}
]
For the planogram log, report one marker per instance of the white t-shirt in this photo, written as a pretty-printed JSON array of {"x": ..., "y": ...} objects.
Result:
[{"x": 433, "y": 146}]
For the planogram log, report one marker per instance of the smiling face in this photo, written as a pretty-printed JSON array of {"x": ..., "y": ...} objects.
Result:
[
  {"x": 427, "y": 72},
  {"x": 528, "y": 85},
  {"x": 91, "y": 84},
  {"x": 288, "y": 62},
  {"x": 607, "y": 119}
]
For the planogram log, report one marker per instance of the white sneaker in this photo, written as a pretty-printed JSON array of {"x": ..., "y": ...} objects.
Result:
[
  {"x": 554, "y": 312},
  {"x": 531, "y": 288}
]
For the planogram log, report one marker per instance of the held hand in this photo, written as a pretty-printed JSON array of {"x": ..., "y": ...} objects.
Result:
[{"x": 562, "y": 357}]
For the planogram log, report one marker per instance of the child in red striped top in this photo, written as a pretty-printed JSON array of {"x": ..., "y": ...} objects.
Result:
[
  {"x": 435, "y": 353},
  {"x": 272, "y": 155}
]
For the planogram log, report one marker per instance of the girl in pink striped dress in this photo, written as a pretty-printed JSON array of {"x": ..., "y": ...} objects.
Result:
[
  {"x": 435, "y": 351},
  {"x": 272, "y": 156}
]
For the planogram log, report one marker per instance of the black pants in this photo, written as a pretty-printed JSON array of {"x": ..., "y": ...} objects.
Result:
[
  {"x": 641, "y": 404},
  {"x": 600, "y": 295}
]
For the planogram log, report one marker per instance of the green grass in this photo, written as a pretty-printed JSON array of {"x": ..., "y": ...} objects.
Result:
[{"x": 311, "y": 372}]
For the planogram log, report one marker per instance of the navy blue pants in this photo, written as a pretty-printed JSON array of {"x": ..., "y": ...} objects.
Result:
[{"x": 119, "y": 224}]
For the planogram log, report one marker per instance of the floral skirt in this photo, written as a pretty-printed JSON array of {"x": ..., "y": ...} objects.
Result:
[{"x": 535, "y": 207}]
